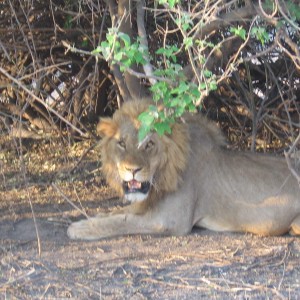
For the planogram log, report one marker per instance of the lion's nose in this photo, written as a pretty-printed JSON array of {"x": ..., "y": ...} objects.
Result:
[{"x": 133, "y": 170}]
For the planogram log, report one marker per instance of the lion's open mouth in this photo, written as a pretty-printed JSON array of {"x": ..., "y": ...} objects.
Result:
[{"x": 134, "y": 186}]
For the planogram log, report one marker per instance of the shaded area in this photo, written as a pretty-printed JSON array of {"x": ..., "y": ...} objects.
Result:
[{"x": 203, "y": 264}]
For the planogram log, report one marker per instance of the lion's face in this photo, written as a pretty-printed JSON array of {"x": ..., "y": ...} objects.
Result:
[
  {"x": 136, "y": 163},
  {"x": 136, "y": 169}
]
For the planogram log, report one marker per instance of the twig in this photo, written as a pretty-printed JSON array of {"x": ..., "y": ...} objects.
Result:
[
  {"x": 36, "y": 228},
  {"x": 234, "y": 60},
  {"x": 148, "y": 68},
  {"x": 69, "y": 201},
  {"x": 76, "y": 50},
  {"x": 212, "y": 283},
  {"x": 10, "y": 282},
  {"x": 146, "y": 75},
  {"x": 48, "y": 68},
  {"x": 289, "y": 20},
  {"x": 288, "y": 155}
]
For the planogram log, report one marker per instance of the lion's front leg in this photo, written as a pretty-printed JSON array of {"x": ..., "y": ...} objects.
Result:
[{"x": 115, "y": 225}]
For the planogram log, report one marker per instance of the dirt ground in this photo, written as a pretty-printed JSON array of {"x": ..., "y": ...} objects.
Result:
[{"x": 38, "y": 184}]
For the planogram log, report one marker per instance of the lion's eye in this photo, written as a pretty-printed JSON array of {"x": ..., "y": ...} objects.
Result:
[
  {"x": 122, "y": 144},
  {"x": 149, "y": 145}
]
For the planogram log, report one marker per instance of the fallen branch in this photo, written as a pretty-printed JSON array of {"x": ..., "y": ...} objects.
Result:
[{"x": 69, "y": 201}]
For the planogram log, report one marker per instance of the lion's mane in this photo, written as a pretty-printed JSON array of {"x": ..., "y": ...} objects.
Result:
[{"x": 172, "y": 161}]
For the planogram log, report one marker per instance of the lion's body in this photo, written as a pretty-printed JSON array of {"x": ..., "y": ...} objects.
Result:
[{"x": 189, "y": 179}]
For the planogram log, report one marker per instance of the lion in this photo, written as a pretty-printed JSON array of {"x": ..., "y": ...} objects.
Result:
[{"x": 187, "y": 179}]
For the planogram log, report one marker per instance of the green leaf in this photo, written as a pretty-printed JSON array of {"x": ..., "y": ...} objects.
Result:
[
  {"x": 125, "y": 38},
  {"x": 118, "y": 56},
  {"x": 188, "y": 42},
  {"x": 162, "y": 127},
  {"x": 179, "y": 111},
  {"x": 174, "y": 102},
  {"x": 184, "y": 21},
  {"x": 202, "y": 86},
  {"x": 68, "y": 22},
  {"x": 97, "y": 50},
  {"x": 153, "y": 110},
  {"x": 160, "y": 90},
  {"x": 168, "y": 52},
  {"x": 104, "y": 48},
  {"x": 172, "y": 3},
  {"x": 139, "y": 58},
  {"x": 84, "y": 43},
  {"x": 213, "y": 86},
  {"x": 143, "y": 131},
  {"x": 261, "y": 34},
  {"x": 192, "y": 107},
  {"x": 161, "y": 51},
  {"x": 207, "y": 73},
  {"x": 111, "y": 36},
  {"x": 239, "y": 31},
  {"x": 186, "y": 99},
  {"x": 183, "y": 87},
  {"x": 146, "y": 118},
  {"x": 195, "y": 93},
  {"x": 204, "y": 43}
]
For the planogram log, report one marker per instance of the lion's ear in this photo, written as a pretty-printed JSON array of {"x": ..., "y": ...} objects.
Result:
[{"x": 107, "y": 127}]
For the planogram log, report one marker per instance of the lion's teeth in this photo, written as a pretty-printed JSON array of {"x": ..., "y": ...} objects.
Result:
[{"x": 133, "y": 184}]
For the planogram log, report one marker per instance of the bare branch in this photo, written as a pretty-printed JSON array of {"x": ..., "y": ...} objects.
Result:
[
  {"x": 288, "y": 155},
  {"x": 49, "y": 108},
  {"x": 129, "y": 86},
  {"x": 148, "y": 68}
]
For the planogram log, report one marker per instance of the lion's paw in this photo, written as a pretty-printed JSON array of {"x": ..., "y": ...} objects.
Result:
[{"x": 83, "y": 230}]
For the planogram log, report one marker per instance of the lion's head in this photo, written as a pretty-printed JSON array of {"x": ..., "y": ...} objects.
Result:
[{"x": 135, "y": 170}]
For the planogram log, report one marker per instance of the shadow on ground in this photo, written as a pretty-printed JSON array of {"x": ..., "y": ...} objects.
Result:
[{"x": 47, "y": 265}]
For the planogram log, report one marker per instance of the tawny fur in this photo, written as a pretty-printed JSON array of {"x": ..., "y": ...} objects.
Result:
[
  {"x": 195, "y": 182},
  {"x": 173, "y": 159}
]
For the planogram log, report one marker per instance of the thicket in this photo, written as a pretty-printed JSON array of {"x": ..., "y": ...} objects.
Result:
[{"x": 63, "y": 64}]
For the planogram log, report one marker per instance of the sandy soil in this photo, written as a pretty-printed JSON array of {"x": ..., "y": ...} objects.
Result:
[{"x": 38, "y": 261}]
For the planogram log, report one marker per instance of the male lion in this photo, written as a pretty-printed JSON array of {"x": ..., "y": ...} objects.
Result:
[{"x": 188, "y": 178}]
